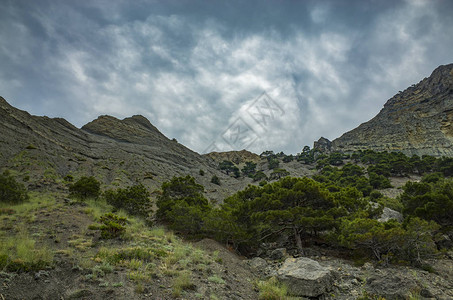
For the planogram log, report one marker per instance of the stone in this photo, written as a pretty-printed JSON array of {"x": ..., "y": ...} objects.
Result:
[
  {"x": 258, "y": 264},
  {"x": 389, "y": 214},
  {"x": 305, "y": 277}
]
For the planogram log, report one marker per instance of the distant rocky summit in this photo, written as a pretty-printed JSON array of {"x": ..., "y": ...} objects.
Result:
[{"x": 417, "y": 121}]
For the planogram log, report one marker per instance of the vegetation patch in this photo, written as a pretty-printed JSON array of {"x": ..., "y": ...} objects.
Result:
[
  {"x": 20, "y": 254},
  {"x": 85, "y": 187},
  {"x": 11, "y": 191}
]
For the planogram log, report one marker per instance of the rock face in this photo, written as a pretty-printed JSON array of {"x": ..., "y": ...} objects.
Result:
[
  {"x": 323, "y": 144},
  {"x": 117, "y": 152},
  {"x": 417, "y": 121},
  {"x": 305, "y": 277},
  {"x": 389, "y": 214}
]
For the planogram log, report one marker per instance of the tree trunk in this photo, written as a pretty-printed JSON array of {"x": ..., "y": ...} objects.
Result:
[{"x": 298, "y": 241}]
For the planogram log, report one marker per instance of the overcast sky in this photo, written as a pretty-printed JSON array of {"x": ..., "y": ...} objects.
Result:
[{"x": 221, "y": 75}]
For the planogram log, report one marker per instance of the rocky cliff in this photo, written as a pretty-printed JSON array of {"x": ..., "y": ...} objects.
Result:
[{"x": 418, "y": 120}]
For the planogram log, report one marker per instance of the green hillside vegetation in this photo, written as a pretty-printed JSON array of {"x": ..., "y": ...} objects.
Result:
[
  {"x": 107, "y": 239},
  {"x": 338, "y": 207},
  {"x": 120, "y": 230}
]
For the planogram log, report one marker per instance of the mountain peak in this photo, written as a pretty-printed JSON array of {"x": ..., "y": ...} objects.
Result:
[
  {"x": 135, "y": 129},
  {"x": 418, "y": 120}
]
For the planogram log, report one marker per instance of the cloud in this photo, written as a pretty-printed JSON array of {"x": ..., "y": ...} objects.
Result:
[{"x": 194, "y": 70}]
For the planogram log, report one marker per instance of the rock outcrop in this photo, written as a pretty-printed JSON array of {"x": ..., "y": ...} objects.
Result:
[
  {"x": 305, "y": 277},
  {"x": 323, "y": 145},
  {"x": 390, "y": 214},
  {"x": 417, "y": 121}
]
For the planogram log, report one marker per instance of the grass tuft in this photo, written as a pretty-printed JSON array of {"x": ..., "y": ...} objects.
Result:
[
  {"x": 182, "y": 282},
  {"x": 19, "y": 253},
  {"x": 271, "y": 289}
]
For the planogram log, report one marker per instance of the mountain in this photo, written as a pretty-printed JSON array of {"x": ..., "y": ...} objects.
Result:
[
  {"x": 417, "y": 121},
  {"x": 118, "y": 152}
]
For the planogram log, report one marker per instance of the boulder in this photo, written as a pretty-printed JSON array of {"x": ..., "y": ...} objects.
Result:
[
  {"x": 305, "y": 277},
  {"x": 388, "y": 214},
  {"x": 258, "y": 264}
]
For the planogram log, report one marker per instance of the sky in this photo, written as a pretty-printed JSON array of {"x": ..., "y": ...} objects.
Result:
[{"x": 221, "y": 75}]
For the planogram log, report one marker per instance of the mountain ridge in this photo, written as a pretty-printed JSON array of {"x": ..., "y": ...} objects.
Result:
[
  {"x": 118, "y": 152},
  {"x": 418, "y": 120}
]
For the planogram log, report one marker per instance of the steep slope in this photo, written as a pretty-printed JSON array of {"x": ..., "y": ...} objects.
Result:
[
  {"x": 418, "y": 120},
  {"x": 118, "y": 152}
]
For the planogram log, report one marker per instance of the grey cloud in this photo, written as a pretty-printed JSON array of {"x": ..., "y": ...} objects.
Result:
[{"x": 193, "y": 67}]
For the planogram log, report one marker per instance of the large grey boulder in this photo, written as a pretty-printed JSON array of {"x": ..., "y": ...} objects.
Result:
[
  {"x": 305, "y": 277},
  {"x": 389, "y": 214}
]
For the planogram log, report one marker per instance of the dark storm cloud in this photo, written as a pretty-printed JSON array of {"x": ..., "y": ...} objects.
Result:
[{"x": 196, "y": 67}]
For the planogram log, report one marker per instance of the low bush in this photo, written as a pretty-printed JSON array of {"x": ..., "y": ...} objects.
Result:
[
  {"x": 20, "y": 254},
  {"x": 112, "y": 226},
  {"x": 215, "y": 179},
  {"x": 134, "y": 200},
  {"x": 271, "y": 289},
  {"x": 85, "y": 187},
  {"x": 11, "y": 191}
]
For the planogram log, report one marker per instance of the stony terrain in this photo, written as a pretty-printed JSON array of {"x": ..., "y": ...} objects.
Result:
[{"x": 415, "y": 121}]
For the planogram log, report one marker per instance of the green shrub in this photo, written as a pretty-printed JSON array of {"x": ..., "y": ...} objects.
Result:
[
  {"x": 379, "y": 181},
  {"x": 182, "y": 204},
  {"x": 229, "y": 167},
  {"x": 249, "y": 169},
  {"x": 430, "y": 201},
  {"x": 112, "y": 226},
  {"x": 278, "y": 173},
  {"x": 433, "y": 177},
  {"x": 273, "y": 163},
  {"x": 69, "y": 178},
  {"x": 11, "y": 191},
  {"x": 85, "y": 187},
  {"x": 134, "y": 199},
  {"x": 259, "y": 176},
  {"x": 215, "y": 179}
]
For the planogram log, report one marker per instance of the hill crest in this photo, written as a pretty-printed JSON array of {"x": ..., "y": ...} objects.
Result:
[{"x": 416, "y": 121}]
